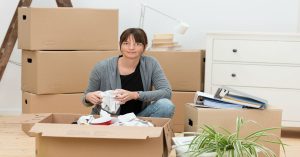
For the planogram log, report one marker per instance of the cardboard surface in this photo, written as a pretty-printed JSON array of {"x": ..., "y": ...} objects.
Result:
[
  {"x": 91, "y": 147},
  {"x": 53, "y": 103},
  {"x": 28, "y": 120},
  {"x": 180, "y": 99},
  {"x": 57, "y": 137},
  {"x": 226, "y": 118},
  {"x": 53, "y": 72},
  {"x": 184, "y": 69},
  {"x": 177, "y": 128},
  {"x": 67, "y": 29}
]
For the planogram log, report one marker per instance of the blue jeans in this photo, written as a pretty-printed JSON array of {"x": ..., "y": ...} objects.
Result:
[{"x": 161, "y": 108}]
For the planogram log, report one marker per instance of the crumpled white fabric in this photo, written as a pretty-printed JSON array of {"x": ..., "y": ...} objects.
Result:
[
  {"x": 109, "y": 103},
  {"x": 130, "y": 119},
  {"x": 90, "y": 119},
  {"x": 85, "y": 120}
]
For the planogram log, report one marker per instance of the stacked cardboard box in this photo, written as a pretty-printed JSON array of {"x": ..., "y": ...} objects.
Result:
[
  {"x": 60, "y": 47},
  {"x": 185, "y": 71}
]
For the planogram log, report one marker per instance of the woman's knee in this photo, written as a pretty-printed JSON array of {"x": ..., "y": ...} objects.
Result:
[{"x": 167, "y": 106}]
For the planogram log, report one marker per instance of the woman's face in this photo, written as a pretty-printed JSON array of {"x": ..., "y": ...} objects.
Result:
[{"x": 131, "y": 49}]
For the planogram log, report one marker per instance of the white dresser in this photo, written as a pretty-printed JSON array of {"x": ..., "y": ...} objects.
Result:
[{"x": 261, "y": 64}]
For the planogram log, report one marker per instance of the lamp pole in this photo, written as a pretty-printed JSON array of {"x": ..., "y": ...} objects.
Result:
[
  {"x": 143, "y": 11},
  {"x": 142, "y": 16}
]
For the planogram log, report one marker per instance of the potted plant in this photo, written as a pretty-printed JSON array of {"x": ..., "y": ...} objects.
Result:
[{"x": 209, "y": 142}]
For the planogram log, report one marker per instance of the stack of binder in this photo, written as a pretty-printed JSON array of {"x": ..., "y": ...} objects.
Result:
[{"x": 226, "y": 97}]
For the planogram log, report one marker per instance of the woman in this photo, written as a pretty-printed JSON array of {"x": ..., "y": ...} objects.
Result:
[{"x": 132, "y": 75}]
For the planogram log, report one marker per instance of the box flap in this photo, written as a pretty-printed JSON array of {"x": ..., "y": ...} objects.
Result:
[
  {"x": 168, "y": 134},
  {"x": 25, "y": 118},
  {"x": 95, "y": 131}
]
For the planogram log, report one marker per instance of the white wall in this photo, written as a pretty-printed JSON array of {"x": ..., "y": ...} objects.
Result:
[{"x": 202, "y": 16}]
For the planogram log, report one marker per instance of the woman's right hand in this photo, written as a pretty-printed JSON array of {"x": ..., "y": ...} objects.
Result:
[{"x": 94, "y": 97}]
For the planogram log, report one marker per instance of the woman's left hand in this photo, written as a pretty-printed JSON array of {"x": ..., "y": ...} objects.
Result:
[{"x": 124, "y": 95}]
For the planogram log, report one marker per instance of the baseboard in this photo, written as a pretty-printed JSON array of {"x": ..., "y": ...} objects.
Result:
[{"x": 12, "y": 111}]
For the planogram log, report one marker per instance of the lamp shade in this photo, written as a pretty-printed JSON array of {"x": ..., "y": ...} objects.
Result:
[{"x": 181, "y": 28}]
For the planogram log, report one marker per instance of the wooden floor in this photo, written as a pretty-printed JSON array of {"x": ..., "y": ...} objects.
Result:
[{"x": 15, "y": 143}]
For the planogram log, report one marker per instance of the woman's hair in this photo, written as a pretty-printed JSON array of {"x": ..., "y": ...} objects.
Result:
[{"x": 138, "y": 34}]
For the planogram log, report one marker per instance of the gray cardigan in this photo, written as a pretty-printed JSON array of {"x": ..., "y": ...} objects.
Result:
[{"x": 105, "y": 76}]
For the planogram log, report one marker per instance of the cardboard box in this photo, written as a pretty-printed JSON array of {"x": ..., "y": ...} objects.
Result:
[
  {"x": 180, "y": 99},
  {"x": 177, "y": 128},
  {"x": 67, "y": 29},
  {"x": 226, "y": 118},
  {"x": 53, "y": 103},
  {"x": 184, "y": 69},
  {"x": 56, "y": 136},
  {"x": 54, "y": 72}
]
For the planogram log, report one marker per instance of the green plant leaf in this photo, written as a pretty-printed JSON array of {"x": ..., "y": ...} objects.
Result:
[{"x": 209, "y": 140}]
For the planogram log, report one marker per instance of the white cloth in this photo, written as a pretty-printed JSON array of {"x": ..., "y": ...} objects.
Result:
[
  {"x": 85, "y": 120},
  {"x": 130, "y": 119},
  {"x": 109, "y": 103}
]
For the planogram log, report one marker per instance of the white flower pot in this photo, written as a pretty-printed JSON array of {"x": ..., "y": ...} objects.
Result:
[
  {"x": 181, "y": 152},
  {"x": 181, "y": 147}
]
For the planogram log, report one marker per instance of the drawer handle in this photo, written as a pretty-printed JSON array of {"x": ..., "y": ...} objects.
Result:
[
  {"x": 233, "y": 75},
  {"x": 234, "y": 50}
]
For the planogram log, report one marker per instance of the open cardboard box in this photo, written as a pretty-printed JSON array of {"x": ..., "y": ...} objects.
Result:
[{"x": 56, "y": 136}]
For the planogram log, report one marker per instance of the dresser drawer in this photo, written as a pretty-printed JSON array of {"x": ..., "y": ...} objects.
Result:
[
  {"x": 285, "y": 99},
  {"x": 261, "y": 51},
  {"x": 256, "y": 75}
]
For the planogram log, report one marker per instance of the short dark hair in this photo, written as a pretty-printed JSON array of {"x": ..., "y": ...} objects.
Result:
[{"x": 139, "y": 36}]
